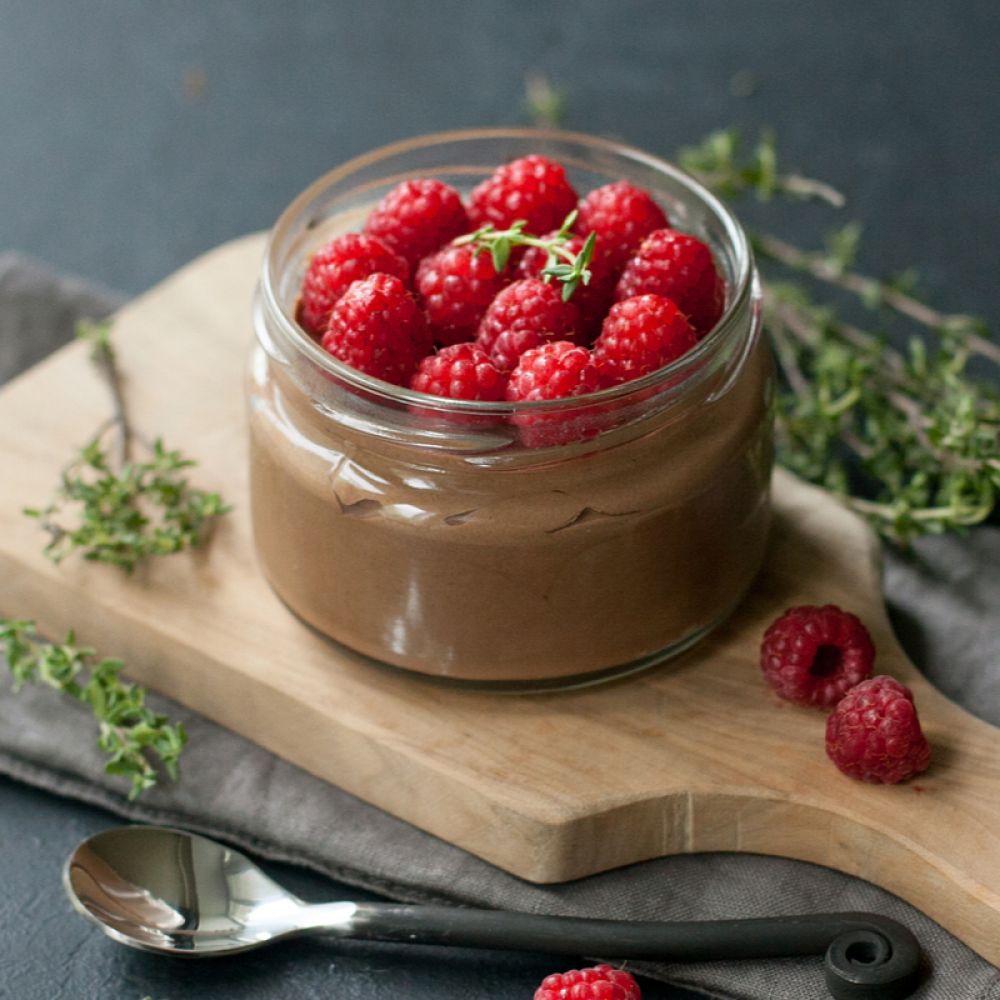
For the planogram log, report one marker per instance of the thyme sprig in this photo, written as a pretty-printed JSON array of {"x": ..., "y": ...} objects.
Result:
[
  {"x": 891, "y": 421},
  {"x": 133, "y": 737},
  {"x": 102, "y": 353},
  {"x": 718, "y": 162},
  {"x": 561, "y": 263},
  {"x": 834, "y": 267},
  {"x": 544, "y": 102},
  {"x": 123, "y": 516},
  {"x": 115, "y": 509}
]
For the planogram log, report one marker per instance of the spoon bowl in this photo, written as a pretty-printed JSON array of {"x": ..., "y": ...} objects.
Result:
[{"x": 170, "y": 891}]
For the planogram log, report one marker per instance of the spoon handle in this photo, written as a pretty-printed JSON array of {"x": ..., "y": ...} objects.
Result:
[{"x": 867, "y": 955}]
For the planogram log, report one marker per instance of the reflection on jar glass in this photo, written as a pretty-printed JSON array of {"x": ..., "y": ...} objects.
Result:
[{"x": 425, "y": 533}]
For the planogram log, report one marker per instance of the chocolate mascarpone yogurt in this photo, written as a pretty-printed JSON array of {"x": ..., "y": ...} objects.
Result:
[{"x": 423, "y": 533}]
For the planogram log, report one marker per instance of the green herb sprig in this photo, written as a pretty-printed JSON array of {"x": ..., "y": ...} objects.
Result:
[
  {"x": 144, "y": 508},
  {"x": 562, "y": 264},
  {"x": 892, "y": 421},
  {"x": 130, "y": 733},
  {"x": 544, "y": 102},
  {"x": 117, "y": 510},
  {"x": 720, "y": 163}
]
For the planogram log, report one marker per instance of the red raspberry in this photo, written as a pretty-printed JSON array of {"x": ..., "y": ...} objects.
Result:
[
  {"x": 874, "y": 734},
  {"x": 598, "y": 983},
  {"x": 525, "y": 314},
  {"x": 813, "y": 655},
  {"x": 679, "y": 267},
  {"x": 378, "y": 328},
  {"x": 461, "y": 371},
  {"x": 417, "y": 217},
  {"x": 533, "y": 189},
  {"x": 332, "y": 269},
  {"x": 457, "y": 286},
  {"x": 556, "y": 370},
  {"x": 593, "y": 299},
  {"x": 622, "y": 216},
  {"x": 639, "y": 336}
]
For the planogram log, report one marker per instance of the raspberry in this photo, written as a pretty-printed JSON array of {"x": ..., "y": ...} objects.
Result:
[
  {"x": 525, "y": 314},
  {"x": 457, "y": 286},
  {"x": 533, "y": 189},
  {"x": 591, "y": 300},
  {"x": 461, "y": 371},
  {"x": 332, "y": 269},
  {"x": 598, "y": 983},
  {"x": 417, "y": 217},
  {"x": 679, "y": 267},
  {"x": 556, "y": 370},
  {"x": 814, "y": 655},
  {"x": 639, "y": 336},
  {"x": 622, "y": 216},
  {"x": 874, "y": 734},
  {"x": 378, "y": 328}
]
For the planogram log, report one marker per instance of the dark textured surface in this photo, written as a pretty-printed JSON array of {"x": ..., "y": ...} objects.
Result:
[{"x": 136, "y": 136}]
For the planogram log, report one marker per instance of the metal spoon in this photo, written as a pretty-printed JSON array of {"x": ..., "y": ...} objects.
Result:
[{"x": 177, "y": 893}]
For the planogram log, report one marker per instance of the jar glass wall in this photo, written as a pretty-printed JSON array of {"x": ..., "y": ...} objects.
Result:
[{"x": 436, "y": 535}]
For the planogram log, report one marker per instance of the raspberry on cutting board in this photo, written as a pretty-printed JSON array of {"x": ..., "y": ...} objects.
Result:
[
  {"x": 600, "y": 982},
  {"x": 461, "y": 371},
  {"x": 622, "y": 215},
  {"x": 526, "y": 314},
  {"x": 456, "y": 286},
  {"x": 874, "y": 733},
  {"x": 533, "y": 189},
  {"x": 679, "y": 267},
  {"x": 418, "y": 217},
  {"x": 334, "y": 267},
  {"x": 378, "y": 328},
  {"x": 639, "y": 336},
  {"x": 813, "y": 655}
]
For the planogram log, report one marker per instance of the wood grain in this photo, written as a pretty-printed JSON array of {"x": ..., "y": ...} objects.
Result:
[{"x": 693, "y": 756}]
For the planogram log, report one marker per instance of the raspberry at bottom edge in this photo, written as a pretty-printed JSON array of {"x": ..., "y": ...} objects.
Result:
[{"x": 600, "y": 982}]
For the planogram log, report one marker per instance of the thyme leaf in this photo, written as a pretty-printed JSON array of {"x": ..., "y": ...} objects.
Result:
[{"x": 571, "y": 269}]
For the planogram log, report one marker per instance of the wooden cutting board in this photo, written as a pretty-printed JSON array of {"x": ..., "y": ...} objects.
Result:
[{"x": 696, "y": 755}]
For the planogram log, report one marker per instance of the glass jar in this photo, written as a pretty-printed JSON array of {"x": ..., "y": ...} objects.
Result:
[{"x": 428, "y": 534}]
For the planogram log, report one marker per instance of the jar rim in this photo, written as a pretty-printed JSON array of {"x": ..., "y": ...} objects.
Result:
[{"x": 728, "y": 326}]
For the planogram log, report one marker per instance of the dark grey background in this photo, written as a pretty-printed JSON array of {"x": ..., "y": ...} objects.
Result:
[{"x": 137, "y": 135}]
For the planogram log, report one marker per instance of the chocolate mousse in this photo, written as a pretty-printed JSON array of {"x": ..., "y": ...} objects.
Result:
[{"x": 542, "y": 566}]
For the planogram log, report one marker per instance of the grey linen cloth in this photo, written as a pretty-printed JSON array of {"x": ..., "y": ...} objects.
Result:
[{"x": 945, "y": 604}]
